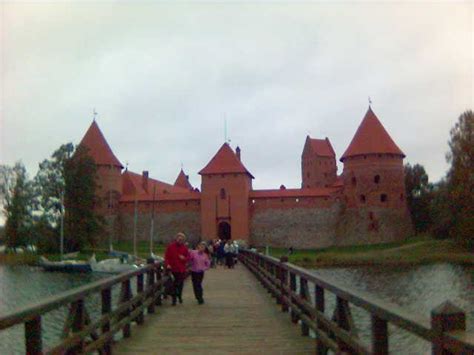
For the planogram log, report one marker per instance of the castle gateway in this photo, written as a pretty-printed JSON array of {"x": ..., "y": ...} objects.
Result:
[{"x": 365, "y": 204}]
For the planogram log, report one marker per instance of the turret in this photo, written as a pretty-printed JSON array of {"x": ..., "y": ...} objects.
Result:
[
  {"x": 318, "y": 163},
  {"x": 373, "y": 167},
  {"x": 225, "y": 188},
  {"x": 108, "y": 170}
]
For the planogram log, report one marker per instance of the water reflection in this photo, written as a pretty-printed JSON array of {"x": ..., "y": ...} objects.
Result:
[
  {"x": 418, "y": 289},
  {"x": 21, "y": 286}
]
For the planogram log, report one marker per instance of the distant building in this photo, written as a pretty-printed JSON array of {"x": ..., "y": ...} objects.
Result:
[{"x": 365, "y": 204}]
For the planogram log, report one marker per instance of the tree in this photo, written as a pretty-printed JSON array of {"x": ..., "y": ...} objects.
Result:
[
  {"x": 460, "y": 178},
  {"x": 82, "y": 224},
  {"x": 16, "y": 194},
  {"x": 419, "y": 196},
  {"x": 50, "y": 187},
  {"x": 50, "y": 184}
]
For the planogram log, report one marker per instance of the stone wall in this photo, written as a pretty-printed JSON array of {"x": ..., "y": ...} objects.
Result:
[
  {"x": 166, "y": 225},
  {"x": 373, "y": 225},
  {"x": 303, "y": 228}
]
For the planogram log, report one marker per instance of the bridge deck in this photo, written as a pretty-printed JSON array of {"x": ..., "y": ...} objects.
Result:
[{"x": 239, "y": 316}]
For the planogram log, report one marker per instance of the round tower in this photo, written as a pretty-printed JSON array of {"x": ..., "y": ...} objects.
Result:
[
  {"x": 373, "y": 167},
  {"x": 374, "y": 187},
  {"x": 109, "y": 170}
]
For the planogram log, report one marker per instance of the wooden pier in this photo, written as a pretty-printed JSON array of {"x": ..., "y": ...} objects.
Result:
[
  {"x": 263, "y": 306},
  {"x": 238, "y": 317}
]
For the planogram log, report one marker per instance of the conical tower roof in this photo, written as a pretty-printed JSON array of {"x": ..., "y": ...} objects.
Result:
[
  {"x": 183, "y": 181},
  {"x": 371, "y": 138},
  {"x": 225, "y": 161},
  {"x": 98, "y": 147}
]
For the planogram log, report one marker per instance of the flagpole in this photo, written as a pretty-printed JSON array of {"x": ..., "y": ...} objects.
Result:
[
  {"x": 135, "y": 228},
  {"x": 61, "y": 242},
  {"x": 152, "y": 225}
]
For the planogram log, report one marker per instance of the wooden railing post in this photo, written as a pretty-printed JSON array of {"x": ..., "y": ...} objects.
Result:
[
  {"x": 150, "y": 293},
  {"x": 33, "y": 339},
  {"x": 294, "y": 316},
  {"x": 319, "y": 301},
  {"x": 379, "y": 335},
  {"x": 283, "y": 285},
  {"x": 106, "y": 296},
  {"x": 78, "y": 321},
  {"x": 141, "y": 316},
  {"x": 279, "y": 276},
  {"x": 445, "y": 318},
  {"x": 304, "y": 294},
  {"x": 125, "y": 296},
  {"x": 159, "y": 291}
]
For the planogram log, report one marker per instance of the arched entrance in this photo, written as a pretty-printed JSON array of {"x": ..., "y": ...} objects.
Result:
[{"x": 224, "y": 231}]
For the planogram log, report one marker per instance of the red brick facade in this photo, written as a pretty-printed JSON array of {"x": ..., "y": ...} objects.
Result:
[{"x": 365, "y": 204}]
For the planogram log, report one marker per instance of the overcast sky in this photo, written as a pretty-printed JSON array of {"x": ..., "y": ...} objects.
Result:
[{"x": 162, "y": 77}]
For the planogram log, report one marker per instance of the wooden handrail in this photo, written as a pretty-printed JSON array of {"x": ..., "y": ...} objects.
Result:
[
  {"x": 280, "y": 279},
  {"x": 78, "y": 327}
]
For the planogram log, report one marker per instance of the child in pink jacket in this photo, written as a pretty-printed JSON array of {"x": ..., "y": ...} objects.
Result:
[{"x": 200, "y": 262}]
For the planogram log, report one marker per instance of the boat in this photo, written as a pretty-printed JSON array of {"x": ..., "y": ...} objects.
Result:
[
  {"x": 65, "y": 265},
  {"x": 111, "y": 266}
]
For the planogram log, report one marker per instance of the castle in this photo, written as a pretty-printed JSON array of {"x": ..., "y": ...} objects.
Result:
[{"x": 365, "y": 204}]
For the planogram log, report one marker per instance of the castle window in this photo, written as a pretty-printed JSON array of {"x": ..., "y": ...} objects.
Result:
[
  {"x": 377, "y": 179},
  {"x": 371, "y": 216},
  {"x": 362, "y": 198},
  {"x": 401, "y": 197},
  {"x": 383, "y": 198},
  {"x": 223, "y": 194},
  {"x": 354, "y": 181},
  {"x": 365, "y": 156},
  {"x": 282, "y": 200}
]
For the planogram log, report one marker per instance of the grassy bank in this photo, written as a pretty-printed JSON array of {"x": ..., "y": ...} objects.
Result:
[
  {"x": 415, "y": 251},
  {"x": 101, "y": 252}
]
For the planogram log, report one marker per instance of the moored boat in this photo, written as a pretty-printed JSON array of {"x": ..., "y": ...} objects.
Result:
[{"x": 65, "y": 265}]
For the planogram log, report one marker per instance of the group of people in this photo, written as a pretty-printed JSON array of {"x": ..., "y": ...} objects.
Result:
[
  {"x": 223, "y": 252},
  {"x": 179, "y": 261}
]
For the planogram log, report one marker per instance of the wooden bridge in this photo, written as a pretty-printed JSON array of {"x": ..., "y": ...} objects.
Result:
[{"x": 239, "y": 316}]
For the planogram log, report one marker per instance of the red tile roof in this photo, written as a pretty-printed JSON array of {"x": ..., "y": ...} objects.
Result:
[
  {"x": 98, "y": 147},
  {"x": 132, "y": 185},
  {"x": 182, "y": 196},
  {"x": 183, "y": 181},
  {"x": 371, "y": 138},
  {"x": 307, "y": 192},
  {"x": 225, "y": 161},
  {"x": 321, "y": 147}
]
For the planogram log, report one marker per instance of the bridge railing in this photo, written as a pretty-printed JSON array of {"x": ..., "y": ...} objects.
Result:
[
  {"x": 82, "y": 335},
  {"x": 289, "y": 284}
]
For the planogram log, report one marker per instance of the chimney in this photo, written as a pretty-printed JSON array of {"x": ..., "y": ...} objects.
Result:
[
  {"x": 145, "y": 180},
  {"x": 237, "y": 151}
]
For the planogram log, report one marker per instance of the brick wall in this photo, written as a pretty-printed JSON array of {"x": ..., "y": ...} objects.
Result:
[
  {"x": 166, "y": 226},
  {"x": 300, "y": 227},
  {"x": 372, "y": 225}
]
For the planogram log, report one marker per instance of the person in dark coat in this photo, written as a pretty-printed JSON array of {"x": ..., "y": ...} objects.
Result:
[{"x": 176, "y": 260}]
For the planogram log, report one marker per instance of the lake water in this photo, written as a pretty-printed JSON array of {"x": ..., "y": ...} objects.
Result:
[
  {"x": 418, "y": 289},
  {"x": 21, "y": 286}
]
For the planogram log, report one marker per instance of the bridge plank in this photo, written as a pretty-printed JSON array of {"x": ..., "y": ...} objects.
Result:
[{"x": 238, "y": 317}]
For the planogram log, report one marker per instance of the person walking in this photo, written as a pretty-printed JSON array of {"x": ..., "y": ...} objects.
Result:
[
  {"x": 200, "y": 262},
  {"x": 176, "y": 260},
  {"x": 229, "y": 254}
]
